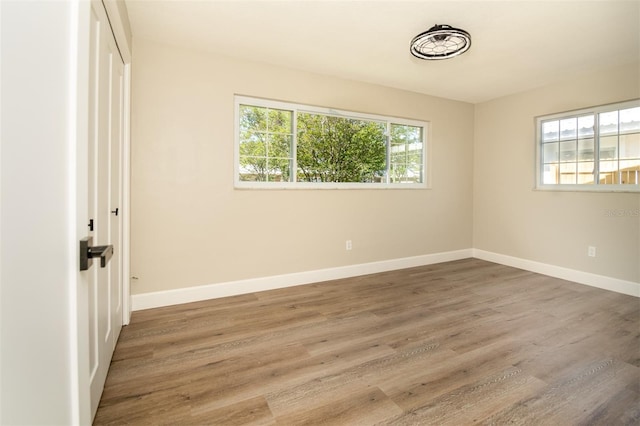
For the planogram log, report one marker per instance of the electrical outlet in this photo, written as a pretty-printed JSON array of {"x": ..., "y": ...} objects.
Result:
[
  {"x": 591, "y": 251},
  {"x": 348, "y": 245}
]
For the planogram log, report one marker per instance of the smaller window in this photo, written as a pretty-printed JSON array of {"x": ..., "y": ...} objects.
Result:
[
  {"x": 266, "y": 144},
  {"x": 595, "y": 149}
]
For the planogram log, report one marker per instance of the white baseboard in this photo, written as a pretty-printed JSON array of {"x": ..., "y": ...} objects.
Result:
[
  {"x": 233, "y": 288},
  {"x": 607, "y": 283}
]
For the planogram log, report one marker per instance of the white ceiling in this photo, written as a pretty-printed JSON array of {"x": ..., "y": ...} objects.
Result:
[{"x": 516, "y": 45}]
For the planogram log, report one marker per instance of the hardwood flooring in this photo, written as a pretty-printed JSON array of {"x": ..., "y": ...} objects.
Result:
[{"x": 464, "y": 342}]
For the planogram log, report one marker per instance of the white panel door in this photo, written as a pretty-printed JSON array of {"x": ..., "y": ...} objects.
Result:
[
  {"x": 116, "y": 144},
  {"x": 104, "y": 195}
]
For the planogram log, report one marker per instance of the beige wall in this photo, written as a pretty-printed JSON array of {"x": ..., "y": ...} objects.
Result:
[
  {"x": 550, "y": 227},
  {"x": 191, "y": 227}
]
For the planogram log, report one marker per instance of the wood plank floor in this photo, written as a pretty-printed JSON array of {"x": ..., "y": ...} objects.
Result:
[{"x": 464, "y": 342}]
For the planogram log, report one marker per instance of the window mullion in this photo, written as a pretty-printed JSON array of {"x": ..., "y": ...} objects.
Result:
[
  {"x": 618, "y": 149},
  {"x": 294, "y": 147},
  {"x": 596, "y": 148},
  {"x": 388, "y": 165},
  {"x": 266, "y": 146}
]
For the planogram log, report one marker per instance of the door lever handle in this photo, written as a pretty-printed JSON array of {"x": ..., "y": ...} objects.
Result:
[{"x": 89, "y": 251}]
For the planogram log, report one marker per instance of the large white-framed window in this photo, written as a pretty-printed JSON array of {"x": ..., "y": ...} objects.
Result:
[
  {"x": 592, "y": 149},
  {"x": 286, "y": 145}
]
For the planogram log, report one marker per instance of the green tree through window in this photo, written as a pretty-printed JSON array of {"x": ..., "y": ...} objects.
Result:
[
  {"x": 265, "y": 144},
  {"x": 406, "y": 154},
  {"x": 336, "y": 149}
]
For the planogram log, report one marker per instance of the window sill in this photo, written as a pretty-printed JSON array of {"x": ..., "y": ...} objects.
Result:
[
  {"x": 589, "y": 188},
  {"x": 325, "y": 186}
]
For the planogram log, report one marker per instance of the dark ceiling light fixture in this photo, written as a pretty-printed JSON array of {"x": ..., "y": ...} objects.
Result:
[{"x": 440, "y": 42}]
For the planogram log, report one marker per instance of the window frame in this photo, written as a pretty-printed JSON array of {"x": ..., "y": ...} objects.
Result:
[
  {"x": 580, "y": 187},
  {"x": 301, "y": 108}
]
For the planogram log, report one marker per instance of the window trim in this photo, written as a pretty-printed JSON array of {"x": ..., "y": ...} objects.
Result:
[
  {"x": 301, "y": 108},
  {"x": 596, "y": 187}
]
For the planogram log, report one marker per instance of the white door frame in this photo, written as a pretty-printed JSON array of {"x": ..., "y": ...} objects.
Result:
[{"x": 79, "y": 112}]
